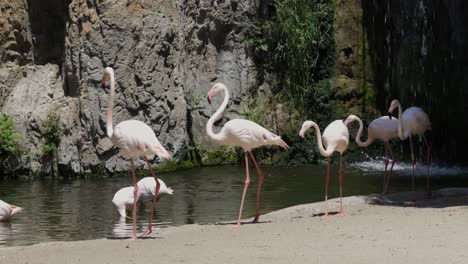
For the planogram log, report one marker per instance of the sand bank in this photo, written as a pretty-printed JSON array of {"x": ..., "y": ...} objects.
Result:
[{"x": 397, "y": 228}]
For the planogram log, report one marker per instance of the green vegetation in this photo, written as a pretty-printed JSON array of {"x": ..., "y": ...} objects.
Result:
[
  {"x": 11, "y": 154},
  {"x": 297, "y": 45},
  {"x": 220, "y": 155},
  {"x": 9, "y": 140},
  {"x": 51, "y": 134},
  {"x": 51, "y": 130}
]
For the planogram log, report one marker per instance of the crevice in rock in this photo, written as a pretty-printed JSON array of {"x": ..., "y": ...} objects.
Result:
[{"x": 48, "y": 20}]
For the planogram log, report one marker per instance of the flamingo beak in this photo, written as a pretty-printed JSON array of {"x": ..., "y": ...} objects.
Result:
[
  {"x": 390, "y": 115},
  {"x": 210, "y": 96},
  {"x": 103, "y": 83}
]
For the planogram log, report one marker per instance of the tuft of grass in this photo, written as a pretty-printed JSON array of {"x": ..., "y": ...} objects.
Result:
[
  {"x": 9, "y": 139},
  {"x": 297, "y": 45}
]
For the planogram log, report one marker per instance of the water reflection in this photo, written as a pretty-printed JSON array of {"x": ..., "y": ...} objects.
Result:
[{"x": 82, "y": 209}]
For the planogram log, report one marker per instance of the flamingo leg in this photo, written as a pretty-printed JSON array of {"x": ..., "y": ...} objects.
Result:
[
  {"x": 428, "y": 148},
  {"x": 386, "y": 165},
  {"x": 391, "y": 167},
  {"x": 259, "y": 187},
  {"x": 246, "y": 185},
  {"x": 341, "y": 213},
  {"x": 327, "y": 179},
  {"x": 413, "y": 162},
  {"x": 135, "y": 192},
  {"x": 156, "y": 191}
]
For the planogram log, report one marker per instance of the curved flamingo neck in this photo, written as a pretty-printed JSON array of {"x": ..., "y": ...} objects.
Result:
[
  {"x": 216, "y": 116},
  {"x": 110, "y": 107},
  {"x": 401, "y": 134},
  {"x": 359, "y": 134},
  {"x": 324, "y": 152}
]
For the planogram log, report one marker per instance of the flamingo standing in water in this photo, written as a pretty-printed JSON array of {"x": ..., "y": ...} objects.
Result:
[
  {"x": 134, "y": 138},
  {"x": 245, "y": 134},
  {"x": 384, "y": 128},
  {"x": 335, "y": 138},
  {"x": 413, "y": 121},
  {"x": 124, "y": 199},
  {"x": 8, "y": 210}
]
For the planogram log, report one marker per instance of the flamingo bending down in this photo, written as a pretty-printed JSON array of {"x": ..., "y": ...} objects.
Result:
[
  {"x": 383, "y": 128},
  {"x": 244, "y": 133},
  {"x": 413, "y": 121},
  {"x": 335, "y": 138},
  {"x": 135, "y": 138},
  {"x": 8, "y": 210},
  {"x": 123, "y": 198}
]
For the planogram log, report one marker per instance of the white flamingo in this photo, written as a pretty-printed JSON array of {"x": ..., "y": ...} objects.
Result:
[
  {"x": 245, "y": 134},
  {"x": 134, "y": 138},
  {"x": 335, "y": 138},
  {"x": 413, "y": 121},
  {"x": 8, "y": 210},
  {"x": 124, "y": 198},
  {"x": 383, "y": 128}
]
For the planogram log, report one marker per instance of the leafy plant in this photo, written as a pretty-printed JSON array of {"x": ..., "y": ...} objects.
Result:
[
  {"x": 9, "y": 139},
  {"x": 297, "y": 45},
  {"x": 51, "y": 129}
]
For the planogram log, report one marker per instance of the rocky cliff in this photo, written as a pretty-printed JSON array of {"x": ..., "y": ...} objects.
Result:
[{"x": 166, "y": 55}]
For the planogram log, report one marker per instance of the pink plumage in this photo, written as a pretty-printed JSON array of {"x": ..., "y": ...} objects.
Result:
[
  {"x": 134, "y": 138},
  {"x": 245, "y": 134},
  {"x": 413, "y": 121},
  {"x": 383, "y": 128},
  {"x": 335, "y": 138}
]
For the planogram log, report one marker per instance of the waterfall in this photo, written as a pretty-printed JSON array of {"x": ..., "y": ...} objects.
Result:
[{"x": 419, "y": 55}]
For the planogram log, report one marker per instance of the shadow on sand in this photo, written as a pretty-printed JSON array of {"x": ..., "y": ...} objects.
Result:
[{"x": 442, "y": 198}]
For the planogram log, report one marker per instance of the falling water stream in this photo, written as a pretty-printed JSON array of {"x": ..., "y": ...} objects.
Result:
[{"x": 77, "y": 210}]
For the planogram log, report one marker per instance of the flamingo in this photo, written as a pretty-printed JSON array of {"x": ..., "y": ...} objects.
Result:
[
  {"x": 384, "y": 128},
  {"x": 123, "y": 198},
  {"x": 134, "y": 138},
  {"x": 245, "y": 134},
  {"x": 413, "y": 121},
  {"x": 8, "y": 210},
  {"x": 335, "y": 138}
]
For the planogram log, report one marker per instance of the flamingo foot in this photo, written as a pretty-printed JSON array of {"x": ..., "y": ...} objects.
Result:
[
  {"x": 256, "y": 219},
  {"x": 148, "y": 231},
  {"x": 133, "y": 238},
  {"x": 236, "y": 225},
  {"x": 341, "y": 213},
  {"x": 325, "y": 215}
]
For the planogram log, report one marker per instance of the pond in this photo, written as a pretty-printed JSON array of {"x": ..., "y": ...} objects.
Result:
[{"x": 82, "y": 209}]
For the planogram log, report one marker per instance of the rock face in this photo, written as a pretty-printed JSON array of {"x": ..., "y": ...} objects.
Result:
[
  {"x": 166, "y": 56},
  {"x": 353, "y": 73}
]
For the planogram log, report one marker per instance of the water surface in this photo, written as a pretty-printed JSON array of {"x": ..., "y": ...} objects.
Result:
[{"x": 82, "y": 209}]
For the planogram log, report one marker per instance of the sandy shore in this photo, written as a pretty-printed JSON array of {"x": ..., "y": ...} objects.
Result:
[{"x": 398, "y": 228}]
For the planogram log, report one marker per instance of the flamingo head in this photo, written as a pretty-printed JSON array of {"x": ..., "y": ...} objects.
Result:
[
  {"x": 395, "y": 103},
  {"x": 305, "y": 127},
  {"x": 350, "y": 119},
  {"x": 216, "y": 89},
  {"x": 108, "y": 71}
]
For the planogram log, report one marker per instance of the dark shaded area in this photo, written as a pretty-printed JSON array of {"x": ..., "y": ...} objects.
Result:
[
  {"x": 48, "y": 20},
  {"x": 419, "y": 56}
]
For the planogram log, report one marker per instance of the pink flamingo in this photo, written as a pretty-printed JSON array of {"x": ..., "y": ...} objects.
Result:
[
  {"x": 335, "y": 138},
  {"x": 413, "y": 121},
  {"x": 244, "y": 133},
  {"x": 8, "y": 210},
  {"x": 384, "y": 128},
  {"x": 135, "y": 138},
  {"x": 124, "y": 199}
]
